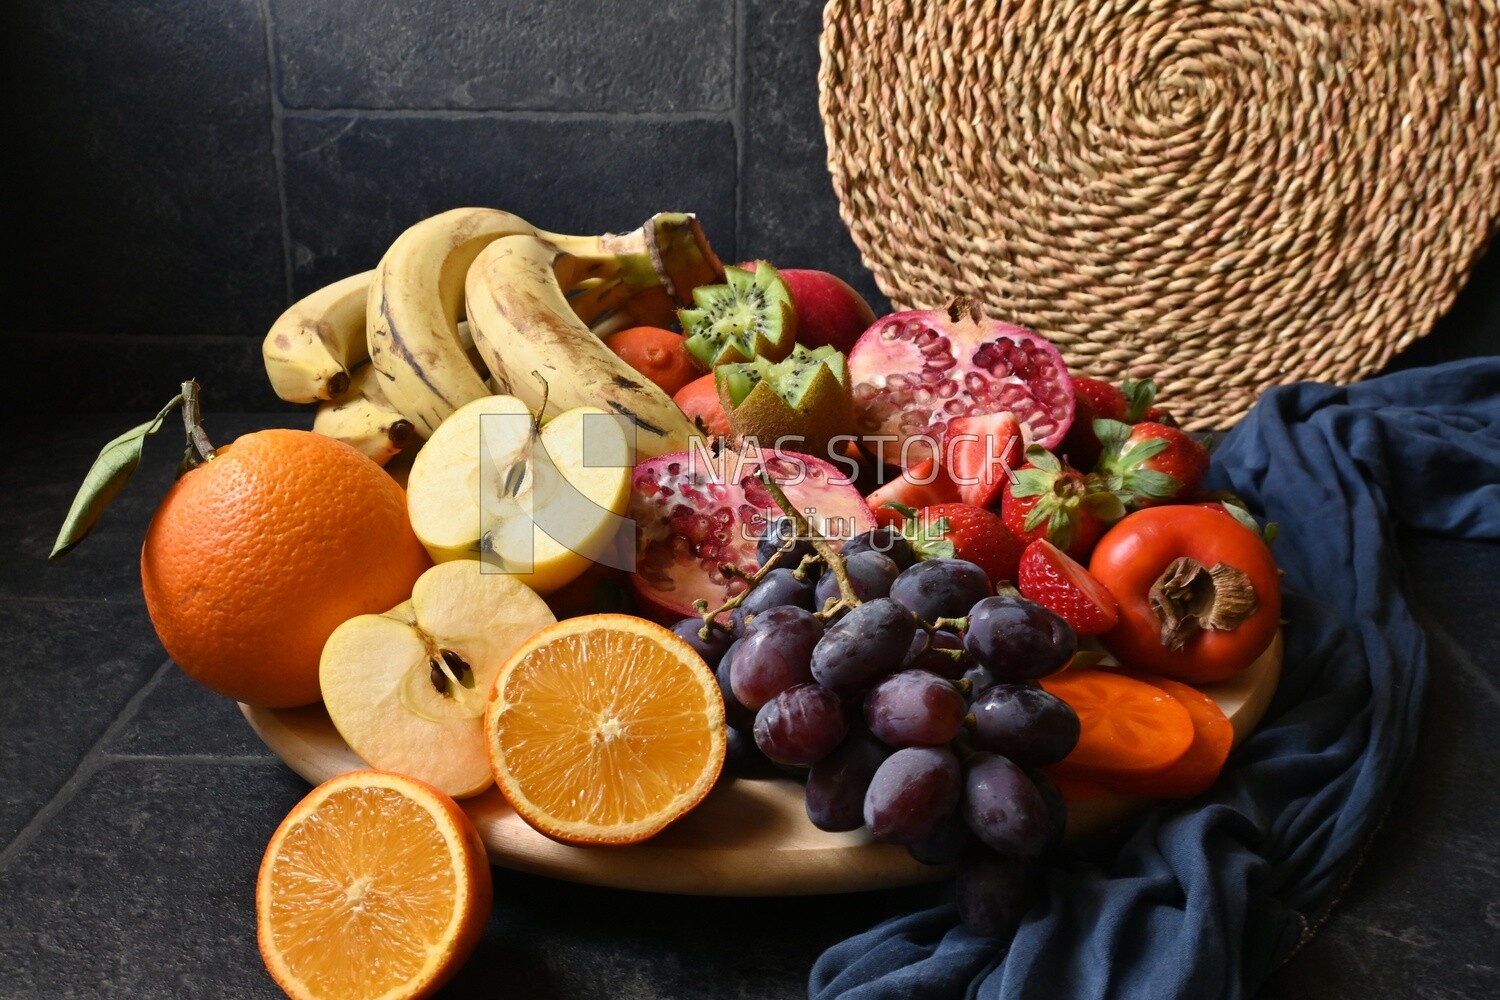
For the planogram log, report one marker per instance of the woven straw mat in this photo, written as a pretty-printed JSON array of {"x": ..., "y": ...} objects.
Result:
[{"x": 1223, "y": 194}]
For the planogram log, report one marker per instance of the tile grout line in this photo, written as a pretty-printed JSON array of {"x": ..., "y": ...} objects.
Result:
[
  {"x": 116, "y": 602},
  {"x": 234, "y": 760},
  {"x": 737, "y": 123},
  {"x": 513, "y": 114},
  {"x": 1454, "y": 652},
  {"x": 93, "y": 758},
  {"x": 278, "y": 148}
]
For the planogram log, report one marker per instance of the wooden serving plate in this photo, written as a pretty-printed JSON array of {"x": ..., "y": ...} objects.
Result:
[{"x": 749, "y": 837}]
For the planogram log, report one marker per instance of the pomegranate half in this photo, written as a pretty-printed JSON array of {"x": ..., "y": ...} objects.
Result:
[
  {"x": 912, "y": 372},
  {"x": 694, "y": 512}
]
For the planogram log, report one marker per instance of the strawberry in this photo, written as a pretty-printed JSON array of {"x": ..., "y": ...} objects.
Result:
[
  {"x": 1050, "y": 499},
  {"x": 1098, "y": 400},
  {"x": 1059, "y": 583},
  {"x": 1151, "y": 463},
  {"x": 1105, "y": 400},
  {"x": 964, "y": 531},
  {"x": 1139, "y": 395},
  {"x": 922, "y": 485},
  {"x": 979, "y": 453}
]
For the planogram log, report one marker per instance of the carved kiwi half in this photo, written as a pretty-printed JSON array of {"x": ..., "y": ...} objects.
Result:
[
  {"x": 749, "y": 316},
  {"x": 798, "y": 404}
]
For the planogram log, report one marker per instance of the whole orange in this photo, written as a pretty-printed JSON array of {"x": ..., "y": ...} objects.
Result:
[{"x": 256, "y": 556}]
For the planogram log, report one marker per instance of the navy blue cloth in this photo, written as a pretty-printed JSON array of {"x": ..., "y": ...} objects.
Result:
[{"x": 1204, "y": 899}]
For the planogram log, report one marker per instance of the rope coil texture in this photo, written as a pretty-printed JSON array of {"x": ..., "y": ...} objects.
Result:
[{"x": 1225, "y": 195}]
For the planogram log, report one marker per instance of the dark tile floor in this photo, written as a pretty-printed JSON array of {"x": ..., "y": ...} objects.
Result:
[{"x": 135, "y": 807}]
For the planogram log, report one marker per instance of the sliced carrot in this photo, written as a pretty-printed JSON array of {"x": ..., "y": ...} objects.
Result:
[
  {"x": 1196, "y": 770},
  {"x": 1128, "y": 728}
]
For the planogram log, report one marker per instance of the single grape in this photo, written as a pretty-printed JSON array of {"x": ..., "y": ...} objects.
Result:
[
  {"x": 946, "y": 844},
  {"x": 801, "y": 725},
  {"x": 920, "y": 640},
  {"x": 778, "y": 588},
  {"x": 940, "y": 588},
  {"x": 782, "y": 616},
  {"x": 775, "y": 655},
  {"x": 871, "y": 574},
  {"x": 736, "y": 715},
  {"x": 779, "y": 533},
  {"x": 885, "y": 540},
  {"x": 993, "y": 894},
  {"x": 979, "y": 676},
  {"x": 914, "y": 708},
  {"x": 1017, "y": 639},
  {"x": 865, "y": 645},
  {"x": 912, "y": 792},
  {"x": 1057, "y": 809},
  {"x": 1025, "y": 723},
  {"x": 836, "y": 785},
  {"x": 711, "y": 649},
  {"x": 930, "y": 656},
  {"x": 1003, "y": 807},
  {"x": 742, "y": 757}
]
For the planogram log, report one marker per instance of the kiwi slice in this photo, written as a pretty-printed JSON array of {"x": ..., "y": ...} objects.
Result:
[
  {"x": 749, "y": 316},
  {"x": 797, "y": 404}
]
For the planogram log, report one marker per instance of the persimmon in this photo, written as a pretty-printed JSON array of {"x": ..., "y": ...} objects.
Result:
[{"x": 657, "y": 354}]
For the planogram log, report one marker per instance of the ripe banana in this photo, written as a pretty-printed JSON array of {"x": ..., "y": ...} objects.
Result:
[
  {"x": 417, "y": 298},
  {"x": 311, "y": 349},
  {"x": 416, "y": 301},
  {"x": 364, "y": 418},
  {"x": 525, "y": 326}
]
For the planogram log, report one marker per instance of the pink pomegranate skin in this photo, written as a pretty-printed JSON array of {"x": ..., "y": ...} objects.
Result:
[
  {"x": 911, "y": 372},
  {"x": 694, "y": 513}
]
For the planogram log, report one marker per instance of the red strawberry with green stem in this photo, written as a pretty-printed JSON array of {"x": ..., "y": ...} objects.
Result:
[
  {"x": 1099, "y": 400},
  {"x": 1052, "y": 500},
  {"x": 1059, "y": 583},
  {"x": 1150, "y": 463},
  {"x": 961, "y": 531}
]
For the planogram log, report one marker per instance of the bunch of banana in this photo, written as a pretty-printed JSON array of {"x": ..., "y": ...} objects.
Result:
[
  {"x": 409, "y": 317},
  {"x": 313, "y": 347},
  {"x": 417, "y": 298},
  {"x": 363, "y": 417},
  {"x": 537, "y": 311}
]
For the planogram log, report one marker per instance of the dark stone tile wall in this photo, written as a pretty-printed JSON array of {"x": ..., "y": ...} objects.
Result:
[
  {"x": 354, "y": 182},
  {"x": 180, "y": 171},
  {"x": 579, "y": 56},
  {"x": 141, "y": 194}
]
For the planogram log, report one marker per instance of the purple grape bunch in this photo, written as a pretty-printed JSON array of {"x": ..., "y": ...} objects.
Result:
[{"x": 913, "y": 710}]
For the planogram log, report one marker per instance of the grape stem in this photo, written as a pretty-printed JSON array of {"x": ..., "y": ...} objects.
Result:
[
  {"x": 807, "y": 561},
  {"x": 711, "y": 618},
  {"x": 835, "y": 562}
]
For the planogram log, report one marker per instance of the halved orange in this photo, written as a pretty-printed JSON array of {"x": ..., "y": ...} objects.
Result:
[
  {"x": 375, "y": 885},
  {"x": 605, "y": 728}
]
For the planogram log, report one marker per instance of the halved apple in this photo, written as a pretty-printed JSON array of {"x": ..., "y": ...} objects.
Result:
[
  {"x": 407, "y": 689},
  {"x": 537, "y": 504}
]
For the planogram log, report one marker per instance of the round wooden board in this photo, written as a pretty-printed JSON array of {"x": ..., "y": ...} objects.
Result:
[{"x": 747, "y": 838}]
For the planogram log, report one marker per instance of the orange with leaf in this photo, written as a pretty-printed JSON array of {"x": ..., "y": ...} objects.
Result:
[{"x": 259, "y": 551}]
